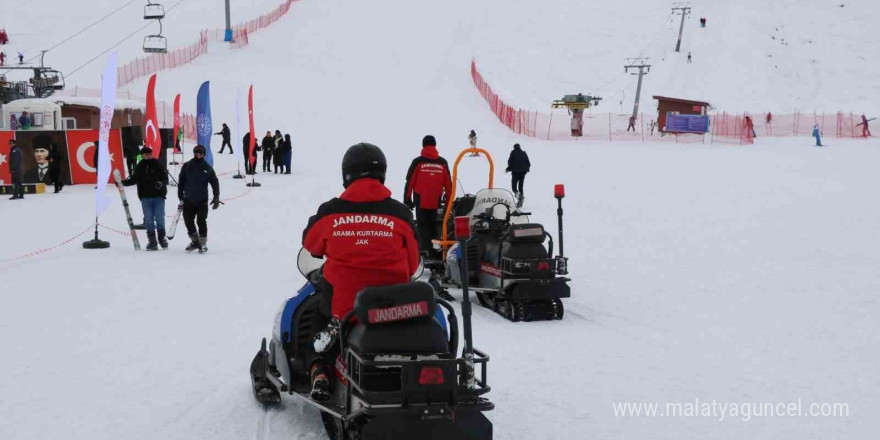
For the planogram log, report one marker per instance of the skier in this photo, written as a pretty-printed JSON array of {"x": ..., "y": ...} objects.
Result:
[
  {"x": 192, "y": 191},
  {"x": 278, "y": 157},
  {"x": 2, "y": 58},
  {"x": 750, "y": 127},
  {"x": 225, "y": 134},
  {"x": 20, "y": 58},
  {"x": 15, "y": 158},
  {"x": 472, "y": 139},
  {"x": 55, "y": 167},
  {"x": 702, "y": 22},
  {"x": 632, "y": 124},
  {"x": 287, "y": 151},
  {"x": 689, "y": 57},
  {"x": 817, "y": 134},
  {"x": 152, "y": 187},
  {"x": 268, "y": 148},
  {"x": 865, "y": 130},
  {"x": 427, "y": 180},
  {"x": 380, "y": 251},
  {"x": 518, "y": 165}
]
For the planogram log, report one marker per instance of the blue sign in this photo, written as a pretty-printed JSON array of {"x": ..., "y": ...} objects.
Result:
[
  {"x": 686, "y": 123},
  {"x": 203, "y": 120}
]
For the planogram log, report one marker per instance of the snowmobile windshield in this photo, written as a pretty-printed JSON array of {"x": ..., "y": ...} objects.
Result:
[
  {"x": 307, "y": 263},
  {"x": 500, "y": 201}
]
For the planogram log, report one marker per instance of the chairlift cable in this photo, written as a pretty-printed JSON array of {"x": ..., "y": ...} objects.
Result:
[
  {"x": 79, "y": 32},
  {"x": 120, "y": 42}
]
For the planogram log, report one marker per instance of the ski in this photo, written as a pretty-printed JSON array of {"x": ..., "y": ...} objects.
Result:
[
  {"x": 174, "y": 223},
  {"x": 118, "y": 179}
]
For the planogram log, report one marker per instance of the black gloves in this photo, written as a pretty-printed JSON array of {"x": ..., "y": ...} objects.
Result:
[
  {"x": 215, "y": 203},
  {"x": 507, "y": 170}
]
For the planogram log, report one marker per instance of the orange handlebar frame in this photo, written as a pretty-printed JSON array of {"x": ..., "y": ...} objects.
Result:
[{"x": 445, "y": 242}]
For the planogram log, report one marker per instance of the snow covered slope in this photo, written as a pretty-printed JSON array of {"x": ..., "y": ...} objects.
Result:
[
  {"x": 753, "y": 55},
  {"x": 710, "y": 272}
]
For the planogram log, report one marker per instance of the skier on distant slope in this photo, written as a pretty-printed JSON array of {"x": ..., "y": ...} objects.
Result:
[
  {"x": 152, "y": 186},
  {"x": 427, "y": 180},
  {"x": 379, "y": 251},
  {"x": 817, "y": 134},
  {"x": 192, "y": 191},
  {"x": 865, "y": 130}
]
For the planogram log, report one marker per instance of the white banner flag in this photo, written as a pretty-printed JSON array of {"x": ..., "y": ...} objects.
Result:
[
  {"x": 108, "y": 105},
  {"x": 238, "y": 123}
]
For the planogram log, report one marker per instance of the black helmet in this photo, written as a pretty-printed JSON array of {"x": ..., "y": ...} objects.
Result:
[{"x": 363, "y": 160}]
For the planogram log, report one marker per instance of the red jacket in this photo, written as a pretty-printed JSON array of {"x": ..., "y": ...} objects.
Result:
[
  {"x": 368, "y": 239},
  {"x": 427, "y": 179}
]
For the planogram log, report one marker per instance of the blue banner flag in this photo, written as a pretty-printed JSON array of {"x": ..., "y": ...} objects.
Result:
[{"x": 203, "y": 120}]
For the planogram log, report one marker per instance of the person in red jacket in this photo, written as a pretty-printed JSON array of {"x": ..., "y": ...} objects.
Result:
[
  {"x": 427, "y": 180},
  {"x": 368, "y": 239}
]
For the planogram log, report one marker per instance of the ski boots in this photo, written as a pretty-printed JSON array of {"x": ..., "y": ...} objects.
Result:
[
  {"x": 151, "y": 239},
  {"x": 162, "y": 240},
  {"x": 325, "y": 339},
  {"x": 203, "y": 245},
  {"x": 193, "y": 244}
]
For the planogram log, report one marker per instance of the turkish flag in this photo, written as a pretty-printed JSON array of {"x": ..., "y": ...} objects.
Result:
[
  {"x": 151, "y": 130},
  {"x": 5, "y": 137},
  {"x": 81, "y": 152}
]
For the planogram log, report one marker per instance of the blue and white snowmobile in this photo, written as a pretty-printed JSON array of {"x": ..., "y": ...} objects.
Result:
[{"x": 397, "y": 373}]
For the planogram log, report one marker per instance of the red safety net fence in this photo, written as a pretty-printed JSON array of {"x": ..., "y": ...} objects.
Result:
[
  {"x": 151, "y": 64},
  {"x": 723, "y": 127}
]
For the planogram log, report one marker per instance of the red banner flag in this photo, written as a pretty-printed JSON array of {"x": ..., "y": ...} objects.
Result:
[
  {"x": 151, "y": 130},
  {"x": 251, "y": 149},
  {"x": 176, "y": 124}
]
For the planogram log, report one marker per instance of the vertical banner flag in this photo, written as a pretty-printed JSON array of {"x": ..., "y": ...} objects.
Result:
[
  {"x": 251, "y": 150},
  {"x": 151, "y": 129},
  {"x": 238, "y": 123},
  {"x": 108, "y": 105},
  {"x": 176, "y": 124},
  {"x": 203, "y": 120}
]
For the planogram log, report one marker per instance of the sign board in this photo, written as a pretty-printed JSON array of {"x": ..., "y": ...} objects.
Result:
[{"x": 686, "y": 123}]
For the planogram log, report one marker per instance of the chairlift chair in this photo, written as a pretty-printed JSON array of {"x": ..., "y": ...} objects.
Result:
[
  {"x": 155, "y": 44},
  {"x": 153, "y": 11}
]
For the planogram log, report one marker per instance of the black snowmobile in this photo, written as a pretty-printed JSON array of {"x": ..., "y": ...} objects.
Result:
[
  {"x": 510, "y": 269},
  {"x": 397, "y": 374}
]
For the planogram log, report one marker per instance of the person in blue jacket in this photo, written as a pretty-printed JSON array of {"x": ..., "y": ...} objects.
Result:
[{"x": 817, "y": 134}]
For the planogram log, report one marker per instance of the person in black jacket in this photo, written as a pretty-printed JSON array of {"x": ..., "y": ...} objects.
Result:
[
  {"x": 225, "y": 134},
  {"x": 268, "y": 148},
  {"x": 245, "y": 146},
  {"x": 55, "y": 166},
  {"x": 518, "y": 165},
  {"x": 287, "y": 151},
  {"x": 192, "y": 190},
  {"x": 278, "y": 157},
  {"x": 15, "y": 170},
  {"x": 152, "y": 186}
]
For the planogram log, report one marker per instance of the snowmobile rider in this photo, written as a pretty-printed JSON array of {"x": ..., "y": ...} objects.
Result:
[
  {"x": 192, "y": 191},
  {"x": 368, "y": 239},
  {"x": 427, "y": 180},
  {"x": 225, "y": 134},
  {"x": 152, "y": 186}
]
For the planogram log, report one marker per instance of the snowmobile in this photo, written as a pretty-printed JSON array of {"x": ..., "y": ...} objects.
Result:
[
  {"x": 510, "y": 269},
  {"x": 397, "y": 374}
]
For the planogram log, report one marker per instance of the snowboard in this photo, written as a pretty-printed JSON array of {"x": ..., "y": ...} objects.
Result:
[
  {"x": 134, "y": 238},
  {"x": 173, "y": 229}
]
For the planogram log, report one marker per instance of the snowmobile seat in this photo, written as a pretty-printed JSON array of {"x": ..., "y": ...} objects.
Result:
[
  {"x": 525, "y": 242},
  {"x": 398, "y": 319}
]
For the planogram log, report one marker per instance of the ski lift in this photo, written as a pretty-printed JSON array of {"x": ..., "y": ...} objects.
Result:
[
  {"x": 155, "y": 44},
  {"x": 153, "y": 11}
]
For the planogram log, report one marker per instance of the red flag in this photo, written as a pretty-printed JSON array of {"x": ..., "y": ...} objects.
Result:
[
  {"x": 251, "y": 149},
  {"x": 176, "y": 123},
  {"x": 151, "y": 130}
]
